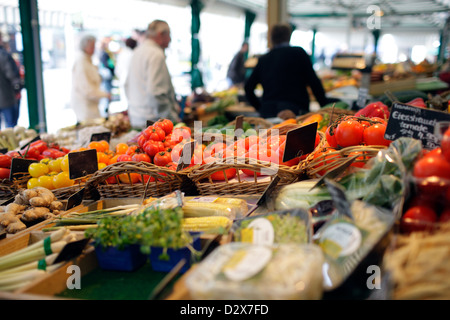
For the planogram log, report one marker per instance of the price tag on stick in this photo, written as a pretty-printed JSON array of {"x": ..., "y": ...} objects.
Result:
[
  {"x": 300, "y": 141},
  {"x": 270, "y": 188},
  {"x": 75, "y": 199},
  {"x": 101, "y": 136},
  {"x": 238, "y": 126},
  {"x": 19, "y": 168},
  {"x": 82, "y": 163},
  {"x": 186, "y": 155},
  {"x": 25, "y": 146}
]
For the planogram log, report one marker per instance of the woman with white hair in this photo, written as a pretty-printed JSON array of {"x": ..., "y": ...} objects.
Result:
[{"x": 86, "y": 82}]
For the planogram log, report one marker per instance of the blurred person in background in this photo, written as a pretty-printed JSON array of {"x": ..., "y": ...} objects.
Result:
[
  {"x": 284, "y": 72},
  {"x": 86, "y": 83},
  {"x": 123, "y": 64},
  {"x": 107, "y": 72},
  {"x": 148, "y": 86},
  {"x": 10, "y": 86},
  {"x": 236, "y": 70}
]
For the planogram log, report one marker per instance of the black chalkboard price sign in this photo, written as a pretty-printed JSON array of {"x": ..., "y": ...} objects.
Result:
[
  {"x": 82, "y": 163},
  {"x": 414, "y": 122}
]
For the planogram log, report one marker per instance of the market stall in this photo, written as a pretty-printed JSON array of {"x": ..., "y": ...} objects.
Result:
[{"x": 226, "y": 212}]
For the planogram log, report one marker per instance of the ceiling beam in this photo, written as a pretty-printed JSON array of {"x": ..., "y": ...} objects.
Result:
[{"x": 360, "y": 14}]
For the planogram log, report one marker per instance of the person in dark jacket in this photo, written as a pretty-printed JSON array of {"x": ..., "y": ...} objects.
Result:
[
  {"x": 10, "y": 86},
  {"x": 284, "y": 73},
  {"x": 236, "y": 70}
]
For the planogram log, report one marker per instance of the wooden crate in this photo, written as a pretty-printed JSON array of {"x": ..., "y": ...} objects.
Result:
[{"x": 379, "y": 88}]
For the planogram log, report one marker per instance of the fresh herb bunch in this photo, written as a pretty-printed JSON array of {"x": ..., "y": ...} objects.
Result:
[{"x": 152, "y": 227}]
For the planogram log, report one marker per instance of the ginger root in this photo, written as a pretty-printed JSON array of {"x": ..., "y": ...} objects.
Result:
[
  {"x": 15, "y": 208},
  {"x": 7, "y": 218},
  {"x": 44, "y": 198},
  {"x": 56, "y": 205},
  {"x": 16, "y": 227},
  {"x": 35, "y": 213}
]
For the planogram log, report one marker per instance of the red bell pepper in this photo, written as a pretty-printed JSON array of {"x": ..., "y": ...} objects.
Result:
[
  {"x": 375, "y": 109},
  {"x": 417, "y": 102}
]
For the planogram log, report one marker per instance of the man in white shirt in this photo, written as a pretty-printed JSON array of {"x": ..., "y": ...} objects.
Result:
[
  {"x": 148, "y": 86},
  {"x": 86, "y": 81}
]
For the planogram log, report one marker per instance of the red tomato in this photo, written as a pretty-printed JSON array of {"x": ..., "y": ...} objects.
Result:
[
  {"x": 215, "y": 149},
  {"x": 152, "y": 147},
  {"x": 5, "y": 161},
  {"x": 4, "y": 173},
  {"x": 181, "y": 133},
  {"x": 176, "y": 152},
  {"x": 436, "y": 152},
  {"x": 418, "y": 218},
  {"x": 155, "y": 133},
  {"x": 349, "y": 133},
  {"x": 221, "y": 175},
  {"x": 40, "y": 145},
  {"x": 325, "y": 160},
  {"x": 171, "y": 166},
  {"x": 445, "y": 215},
  {"x": 138, "y": 157},
  {"x": 14, "y": 154},
  {"x": 141, "y": 140},
  {"x": 445, "y": 145},
  {"x": 131, "y": 150},
  {"x": 275, "y": 141},
  {"x": 280, "y": 153},
  {"x": 162, "y": 158},
  {"x": 164, "y": 124},
  {"x": 53, "y": 153},
  {"x": 374, "y": 135},
  {"x": 124, "y": 157},
  {"x": 432, "y": 166},
  {"x": 111, "y": 180},
  {"x": 31, "y": 152},
  {"x": 246, "y": 143},
  {"x": 360, "y": 160},
  {"x": 331, "y": 139},
  {"x": 422, "y": 199},
  {"x": 198, "y": 154}
]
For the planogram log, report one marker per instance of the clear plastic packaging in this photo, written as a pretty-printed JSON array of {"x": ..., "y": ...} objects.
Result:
[
  {"x": 346, "y": 243},
  {"x": 286, "y": 226},
  {"x": 244, "y": 271}
]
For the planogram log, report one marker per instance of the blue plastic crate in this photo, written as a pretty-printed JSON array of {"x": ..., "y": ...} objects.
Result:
[
  {"x": 128, "y": 259},
  {"x": 174, "y": 257}
]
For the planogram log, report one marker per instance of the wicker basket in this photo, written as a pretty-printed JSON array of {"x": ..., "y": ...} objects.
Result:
[
  {"x": 333, "y": 113},
  {"x": 7, "y": 189},
  {"x": 242, "y": 184},
  {"x": 320, "y": 164},
  {"x": 257, "y": 123},
  {"x": 164, "y": 181}
]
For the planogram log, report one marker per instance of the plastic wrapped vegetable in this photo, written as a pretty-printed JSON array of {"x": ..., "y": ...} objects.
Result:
[
  {"x": 288, "y": 226},
  {"x": 240, "y": 270},
  {"x": 346, "y": 242}
]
